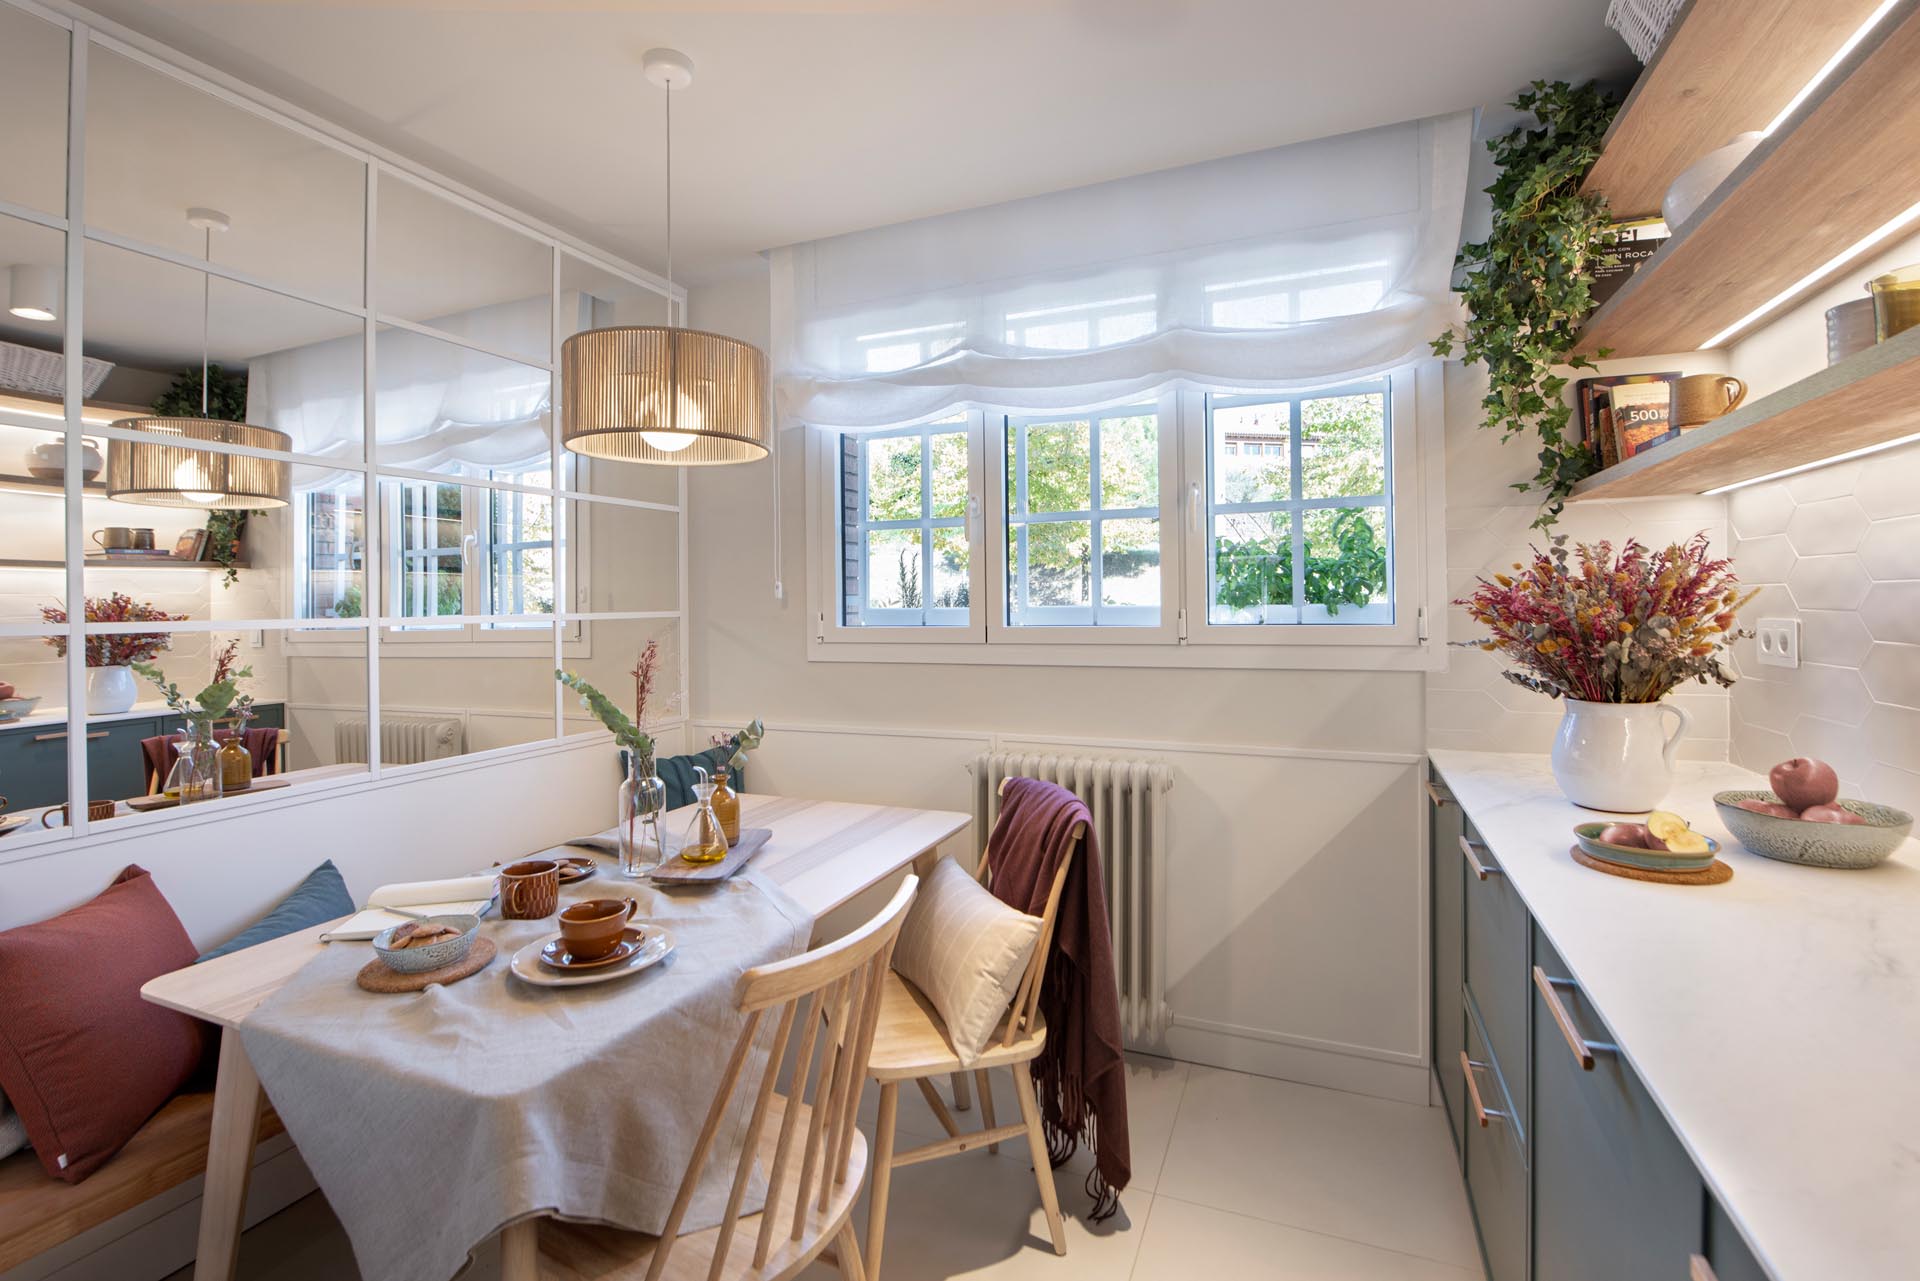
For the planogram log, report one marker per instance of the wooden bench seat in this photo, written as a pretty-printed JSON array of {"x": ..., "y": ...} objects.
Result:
[{"x": 38, "y": 1212}]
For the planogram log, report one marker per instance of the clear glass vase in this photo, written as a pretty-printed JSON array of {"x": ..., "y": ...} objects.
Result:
[
  {"x": 643, "y": 799},
  {"x": 195, "y": 775}
]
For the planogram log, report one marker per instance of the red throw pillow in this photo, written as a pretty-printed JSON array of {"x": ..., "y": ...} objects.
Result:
[{"x": 83, "y": 1059}]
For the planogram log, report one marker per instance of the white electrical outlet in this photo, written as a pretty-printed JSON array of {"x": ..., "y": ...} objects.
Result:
[
  {"x": 1778, "y": 640},
  {"x": 257, "y": 639}
]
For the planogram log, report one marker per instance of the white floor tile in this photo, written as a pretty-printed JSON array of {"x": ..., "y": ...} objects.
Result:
[
  {"x": 1183, "y": 1242},
  {"x": 1370, "y": 1170}
]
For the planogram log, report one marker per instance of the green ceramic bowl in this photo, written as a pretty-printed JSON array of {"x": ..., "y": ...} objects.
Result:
[
  {"x": 1794, "y": 840},
  {"x": 1588, "y": 835}
]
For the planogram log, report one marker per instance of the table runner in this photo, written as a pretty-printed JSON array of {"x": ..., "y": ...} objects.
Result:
[{"x": 432, "y": 1120}]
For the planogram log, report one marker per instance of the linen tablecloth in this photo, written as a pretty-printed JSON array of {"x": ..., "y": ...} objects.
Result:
[{"x": 433, "y": 1119}]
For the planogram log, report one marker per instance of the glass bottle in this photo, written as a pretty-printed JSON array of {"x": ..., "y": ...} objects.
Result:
[
  {"x": 643, "y": 798},
  {"x": 196, "y": 769},
  {"x": 705, "y": 842},
  {"x": 726, "y": 806},
  {"x": 236, "y": 762}
]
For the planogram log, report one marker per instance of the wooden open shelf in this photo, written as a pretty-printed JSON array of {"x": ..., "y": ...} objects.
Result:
[
  {"x": 1866, "y": 399},
  {"x": 1726, "y": 66},
  {"x": 43, "y": 488},
  {"x": 121, "y": 562},
  {"x": 1841, "y": 168}
]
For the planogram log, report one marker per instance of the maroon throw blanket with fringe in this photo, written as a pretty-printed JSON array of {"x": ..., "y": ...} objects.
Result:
[{"x": 1080, "y": 1075}]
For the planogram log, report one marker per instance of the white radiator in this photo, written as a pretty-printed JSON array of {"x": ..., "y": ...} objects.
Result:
[
  {"x": 403, "y": 740},
  {"x": 1128, "y": 801}
]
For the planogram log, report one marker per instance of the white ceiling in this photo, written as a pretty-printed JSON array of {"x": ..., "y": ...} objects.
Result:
[{"x": 809, "y": 118}]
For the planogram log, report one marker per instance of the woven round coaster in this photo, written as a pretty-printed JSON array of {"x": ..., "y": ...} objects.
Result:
[
  {"x": 1716, "y": 873},
  {"x": 375, "y": 976}
]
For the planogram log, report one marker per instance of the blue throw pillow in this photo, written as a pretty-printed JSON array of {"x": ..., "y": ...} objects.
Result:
[
  {"x": 677, "y": 773},
  {"x": 322, "y": 897}
]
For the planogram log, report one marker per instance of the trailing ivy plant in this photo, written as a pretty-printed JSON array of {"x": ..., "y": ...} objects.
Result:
[
  {"x": 226, "y": 401},
  {"x": 1527, "y": 285}
]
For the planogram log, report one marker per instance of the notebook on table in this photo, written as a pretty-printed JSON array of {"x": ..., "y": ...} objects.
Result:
[{"x": 470, "y": 894}]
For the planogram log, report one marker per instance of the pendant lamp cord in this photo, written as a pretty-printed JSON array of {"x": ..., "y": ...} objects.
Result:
[
  {"x": 669, "y": 203},
  {"x": 206, "y": 310}
]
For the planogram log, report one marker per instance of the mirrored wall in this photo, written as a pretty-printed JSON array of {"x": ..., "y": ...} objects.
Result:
[{"x": 360, "y": 503}]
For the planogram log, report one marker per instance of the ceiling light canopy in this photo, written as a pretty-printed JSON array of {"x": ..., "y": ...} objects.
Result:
[
  {"x": 658, "y": 393},
  {"x": 33, "y": 292}
]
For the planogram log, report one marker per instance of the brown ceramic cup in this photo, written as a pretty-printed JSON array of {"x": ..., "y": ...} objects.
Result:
[
  {"x": 529, "y": 890},
  {"x": 593, "y": 928},
  {"x": 97, "y": 812}
]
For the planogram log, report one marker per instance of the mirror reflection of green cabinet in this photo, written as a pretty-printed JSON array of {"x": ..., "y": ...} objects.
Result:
[{"x": 33, "y": 758}]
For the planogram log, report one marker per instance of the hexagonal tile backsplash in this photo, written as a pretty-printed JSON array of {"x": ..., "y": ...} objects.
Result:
[{"x": 1839, "y": 549}]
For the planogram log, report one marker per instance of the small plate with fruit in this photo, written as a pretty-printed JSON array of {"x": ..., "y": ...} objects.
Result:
[
  {"x": 1804, "y": 820},
  {"x": 1664, "y": 843}
]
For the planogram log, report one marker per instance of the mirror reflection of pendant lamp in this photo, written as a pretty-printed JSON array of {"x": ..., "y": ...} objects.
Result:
[
  {"x": 172, "y": 471},
  {"x": 659, "y": 393}
]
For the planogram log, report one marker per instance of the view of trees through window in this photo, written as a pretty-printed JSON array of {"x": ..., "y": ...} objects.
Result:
[
  {"x": 1083, "y": 520},
  {"x": 1298, "y": 478},
  {"x": 905, "y": 527}
]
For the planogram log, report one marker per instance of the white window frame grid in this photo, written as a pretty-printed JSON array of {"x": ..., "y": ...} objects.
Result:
[
  {"x": 1300, "y": 613},
  {"x": 1018, "y": 522},
  {"x": 301, "y": 537},
  {"x": 927, "y": 615},
  {"x": 363, "y": 635},
  {"x": 1414, "y": 641}
]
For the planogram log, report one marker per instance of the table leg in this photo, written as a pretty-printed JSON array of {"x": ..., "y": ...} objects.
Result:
[
  {"x": 520, "y": 1251},
  {"x": 962, "y": 1092},
  {"x": 236, "y": 1124}
]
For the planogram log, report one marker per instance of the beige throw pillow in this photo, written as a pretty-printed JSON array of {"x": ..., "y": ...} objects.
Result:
[{"x": 965, "y": 950}]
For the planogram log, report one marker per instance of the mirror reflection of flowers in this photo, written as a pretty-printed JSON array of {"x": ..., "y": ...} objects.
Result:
[
  {"x": 118, "y": 649},
  {"x": 218, "y": 700},
  {"x": 1606, "y": 628}
]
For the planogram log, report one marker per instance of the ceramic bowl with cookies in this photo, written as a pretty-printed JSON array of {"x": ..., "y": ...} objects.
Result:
[{"x": 414, "y": 947}]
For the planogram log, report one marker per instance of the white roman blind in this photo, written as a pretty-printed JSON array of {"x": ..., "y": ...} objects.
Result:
[{"x": 1282, "y": 269}]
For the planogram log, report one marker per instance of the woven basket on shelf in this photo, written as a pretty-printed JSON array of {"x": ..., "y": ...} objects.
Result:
[
  {"x": 1642, "y": 23},
  {"x": 44, "y": 373}
]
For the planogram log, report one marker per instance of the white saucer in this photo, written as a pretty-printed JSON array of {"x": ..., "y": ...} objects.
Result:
[
  {"x": 656, "y": 945},
  {"x": 10, "y": 821}
]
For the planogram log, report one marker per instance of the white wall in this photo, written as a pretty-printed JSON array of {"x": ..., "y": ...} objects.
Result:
[
  {"x": 1839, "y": 549},
  {"x": 1296, "y": 918}
]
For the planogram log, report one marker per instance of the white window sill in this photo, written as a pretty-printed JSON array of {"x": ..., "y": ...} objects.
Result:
[{"x": 1424, "y": 656}]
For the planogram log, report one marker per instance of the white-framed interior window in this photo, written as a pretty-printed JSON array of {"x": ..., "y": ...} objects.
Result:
[
  {"x": 468, "y": 551},
  {"x": 1220, "y": 528},
  {"x": 330, "y": 554}
]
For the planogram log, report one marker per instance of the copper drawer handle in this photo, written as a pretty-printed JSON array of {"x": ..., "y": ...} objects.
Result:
[
  {"x": 1698, "y": 1269},
  {"x": 1439, "y": 797},
  {"x": 54, "y": 738},
  {"x": 1480, "y": 870},
  {"x": 1583, "y": 1049},
  {"x": 1480, "y": 1112}
]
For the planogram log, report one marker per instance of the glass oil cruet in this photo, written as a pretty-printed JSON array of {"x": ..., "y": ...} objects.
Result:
[{"x": 705, "y": 841}]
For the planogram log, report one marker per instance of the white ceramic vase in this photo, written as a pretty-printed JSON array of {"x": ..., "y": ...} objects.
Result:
[
  {"x": 110, "y": 690},
  {"x": 1616, "y": 756}
]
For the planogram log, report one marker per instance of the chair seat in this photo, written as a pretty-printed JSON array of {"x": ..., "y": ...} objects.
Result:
[
  {"x": 911, "y": 1041},
  {"x": 593, "y": 1252}
]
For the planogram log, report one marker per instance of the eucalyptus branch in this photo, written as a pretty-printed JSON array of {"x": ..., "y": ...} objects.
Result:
[{"x": 608, "y": 713}]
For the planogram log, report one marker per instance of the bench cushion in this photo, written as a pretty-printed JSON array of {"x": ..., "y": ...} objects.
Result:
[
  {"x": 322, "y": 897},
  {"x": 38, "y": 1213},
  {"x": 83, "y": 1059}
]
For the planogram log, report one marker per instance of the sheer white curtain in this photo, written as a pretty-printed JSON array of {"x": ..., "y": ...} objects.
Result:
[{"x": 1287, "y": 268}]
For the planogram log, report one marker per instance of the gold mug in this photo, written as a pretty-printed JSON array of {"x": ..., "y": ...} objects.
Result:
[{"x": 1701, "y": 398}]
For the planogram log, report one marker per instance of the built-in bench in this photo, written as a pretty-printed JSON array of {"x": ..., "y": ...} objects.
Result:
[{"x": 38, "y": 1213}]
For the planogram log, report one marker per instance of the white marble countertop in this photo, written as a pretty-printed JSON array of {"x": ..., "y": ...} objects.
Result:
[
  {"x": 58, "y": 715},
  {"x": 1775, "y": 1019}
]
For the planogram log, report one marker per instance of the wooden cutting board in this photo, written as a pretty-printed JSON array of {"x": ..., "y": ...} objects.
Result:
[
  {"x": 141, "y": 804},
  {"x": 677, "y": 871}
]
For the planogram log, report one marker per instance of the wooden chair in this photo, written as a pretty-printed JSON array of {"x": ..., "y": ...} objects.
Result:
[
  {"x": 911, "y": 1044},
  {"x": 795, "y": 1142}
]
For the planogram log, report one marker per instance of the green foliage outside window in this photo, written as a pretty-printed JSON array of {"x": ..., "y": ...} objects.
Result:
[{"x": 1349, "y": 567}]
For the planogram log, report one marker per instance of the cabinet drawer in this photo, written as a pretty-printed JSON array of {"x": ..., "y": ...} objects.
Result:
[
  {"x": 1446, "y": 929},
  {"x": 1728, "y": 1258},
  {"x": 115, "y": 767},
  {"x": 1614, "y": 1193},
  {"x": 1496, "y": 958},
  {"x": 1496, "y": 1169},
  {"x": 33, "y": 766}
]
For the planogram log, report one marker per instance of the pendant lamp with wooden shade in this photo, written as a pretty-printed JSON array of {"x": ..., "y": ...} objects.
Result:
[
  {"x": 174, "y": 472},
  {"x": 659, "y": 393}
]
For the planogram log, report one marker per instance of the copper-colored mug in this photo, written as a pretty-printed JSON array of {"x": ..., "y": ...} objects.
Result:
[
  {"x": 529, "y": 890},
  {"x": 593, "y": 928},
  {"x": 97, "y": 811}
]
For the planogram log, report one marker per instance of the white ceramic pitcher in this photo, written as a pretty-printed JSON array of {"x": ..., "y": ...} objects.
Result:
[{"x": 1616, "y": 756}]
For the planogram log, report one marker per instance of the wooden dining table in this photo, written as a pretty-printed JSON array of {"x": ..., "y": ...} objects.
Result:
[{"x": 822, "y": 853}]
